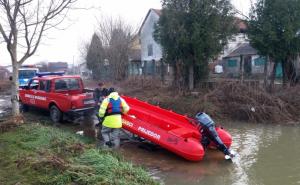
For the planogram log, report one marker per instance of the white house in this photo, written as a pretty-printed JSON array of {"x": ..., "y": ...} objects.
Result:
[
  {"x": 237, "y": 40},
  {"x": 151, "y": 51}
]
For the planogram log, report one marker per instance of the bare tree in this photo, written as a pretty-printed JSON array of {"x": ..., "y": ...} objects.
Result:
[
  {"x": 23, "y": 23},
  {"x": 116, "y": 37}
]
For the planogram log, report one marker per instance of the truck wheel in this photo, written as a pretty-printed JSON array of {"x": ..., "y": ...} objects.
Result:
[{"x": 55, "y": 114}]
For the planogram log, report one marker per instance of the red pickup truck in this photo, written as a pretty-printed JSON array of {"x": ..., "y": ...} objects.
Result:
[{"x": 58, "y": 93}]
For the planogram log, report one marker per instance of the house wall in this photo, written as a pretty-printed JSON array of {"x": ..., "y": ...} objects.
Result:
[
  {"x": 233, "y": 44},
  {"x": 136, "y": 45},
  {"x": 147, "y": 39},
  {"x": 232, "y": 68},
  {"x": 257, "y": 67}
]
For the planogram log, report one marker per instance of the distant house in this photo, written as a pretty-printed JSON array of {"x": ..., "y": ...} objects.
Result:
[
  {"x": 232, "y": 63},
  {"x": 84, "y": 72},
  {"x": 57, "y": 66},
  {"x": 236, "y": 40},
  {"x": 246, "y": 59},
  {"x": 151, "y": 51},
  {"x": 135, "y": 62},
  {"x": 4, "y": 73}
]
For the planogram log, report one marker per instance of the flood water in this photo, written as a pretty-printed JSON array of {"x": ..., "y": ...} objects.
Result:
[
  {"x": 5, "y": 104},
  {"x": 267, "y": 155}
]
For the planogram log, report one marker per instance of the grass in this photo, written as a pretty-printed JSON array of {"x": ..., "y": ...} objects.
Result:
[{"x": 39, "y": 154}]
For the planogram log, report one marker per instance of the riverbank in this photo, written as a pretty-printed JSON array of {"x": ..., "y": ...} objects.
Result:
[
  {"x": 33, "y": 153},
  {"x": 229, "y": 101}
]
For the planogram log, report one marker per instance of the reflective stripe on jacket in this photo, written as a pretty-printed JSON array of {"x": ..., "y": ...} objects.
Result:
[{"x": 115, "y": 120}]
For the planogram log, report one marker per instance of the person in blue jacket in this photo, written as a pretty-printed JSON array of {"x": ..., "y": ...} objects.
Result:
[{"x": 209, "y": 133}]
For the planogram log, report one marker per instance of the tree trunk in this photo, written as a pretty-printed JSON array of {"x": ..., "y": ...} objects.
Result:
[
  {"x": 271, "y": 87},
  {"x": 242, "y": 68},
  {"x": 191, "y": 77},
  {"x": 15, "y": 89},
  {"x": 291, "y": 72},
  {"x": 162, "y": 71},
  {"x": 266, "y": 72},
  {"x": 284, "y": 74},
  {"x": 174, "y": 75}
]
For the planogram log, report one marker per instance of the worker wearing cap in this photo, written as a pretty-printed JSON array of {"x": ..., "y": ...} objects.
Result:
[{"x": 111, "y": 109}]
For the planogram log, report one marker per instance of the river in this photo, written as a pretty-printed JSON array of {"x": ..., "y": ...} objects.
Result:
[{"x": 267, "y": 155}]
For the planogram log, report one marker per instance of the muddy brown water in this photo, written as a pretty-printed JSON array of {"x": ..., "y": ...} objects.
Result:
[{"x": 267, "y": 155}]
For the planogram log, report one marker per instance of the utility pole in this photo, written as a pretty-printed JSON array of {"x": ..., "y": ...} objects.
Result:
[{"x": 73, "y": 66}]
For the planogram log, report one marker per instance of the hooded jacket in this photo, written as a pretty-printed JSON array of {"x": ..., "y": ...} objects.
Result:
[{"x": 115, "y": 120}]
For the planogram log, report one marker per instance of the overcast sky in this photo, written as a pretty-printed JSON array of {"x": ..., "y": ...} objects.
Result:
[{"x": 63, "y": 45}]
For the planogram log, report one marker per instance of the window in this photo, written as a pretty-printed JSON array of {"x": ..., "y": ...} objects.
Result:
[
  {"x": 150, "y": 50},
  {"x": 34, "y": 84},
  {"x": 259, "y": 61},
  {"x": 232, "y": 63},
  {"x": 61, "y": 85},
  {"x": 67, "y": 84},
  {"x": 45, "y": 85},
  {"x": 42, "y": 85},
  {"x": 73, "y": 84},
  {"x": 26, "y": 73}
]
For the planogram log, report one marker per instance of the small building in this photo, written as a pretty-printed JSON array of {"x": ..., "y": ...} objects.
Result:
[
  {"x": 4, "y": 73},
  {"x": 246, "y": 60},
  {"x": 84, "y": 72},
  {"x": 57, "y": 66},
  {"x": 236, "y": 40}
]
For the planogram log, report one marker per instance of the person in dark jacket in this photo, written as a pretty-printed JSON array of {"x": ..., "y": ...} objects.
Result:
[
  {"x": 209, "y": 133},
  {"x": 100, "y": 93}
]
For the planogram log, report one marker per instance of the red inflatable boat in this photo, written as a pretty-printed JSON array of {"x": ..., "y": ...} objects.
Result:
[{"x": 168, "y": 129}]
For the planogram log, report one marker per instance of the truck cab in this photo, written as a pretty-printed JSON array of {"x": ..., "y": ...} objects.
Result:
[{"x": 58, "y": 93}]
